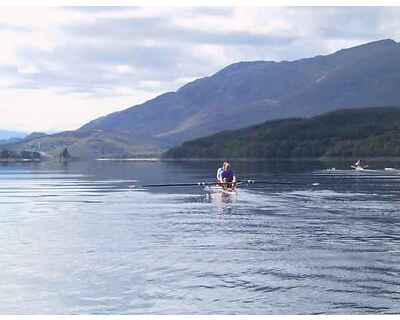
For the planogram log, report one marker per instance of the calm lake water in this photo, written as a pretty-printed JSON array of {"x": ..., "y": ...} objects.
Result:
[{"x": 87, "y": 239}]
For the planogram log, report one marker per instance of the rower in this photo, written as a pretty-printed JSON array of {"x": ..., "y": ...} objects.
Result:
[
  {"x": 358, "y": 166},
  {"x": 226, "y": 177},
  {"x": 220, "y": 170}
]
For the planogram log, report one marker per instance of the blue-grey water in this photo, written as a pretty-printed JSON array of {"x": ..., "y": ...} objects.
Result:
[{"x": 87, "y": 239}]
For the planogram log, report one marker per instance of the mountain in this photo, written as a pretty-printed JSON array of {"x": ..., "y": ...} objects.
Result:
[
  {"x": 85, "y": 144},
  {"x": 348, "y": 133},
  {"x": 247, "y": 93},
  {"x": 35, "y": 135},
  {"x": 244, "y": 94},
  {"x": 10, "y": 140},
  {"x": 7, "y": 134}
]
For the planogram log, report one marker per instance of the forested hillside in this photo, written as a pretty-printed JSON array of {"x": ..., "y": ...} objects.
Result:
[{"x": 371, "y": 132}]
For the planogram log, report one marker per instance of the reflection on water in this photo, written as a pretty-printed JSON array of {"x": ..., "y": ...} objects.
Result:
[{"x": 81, "y": 239}]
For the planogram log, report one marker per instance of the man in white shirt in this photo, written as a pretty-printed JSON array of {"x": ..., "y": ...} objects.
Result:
[{"x": 219, "y": 172}]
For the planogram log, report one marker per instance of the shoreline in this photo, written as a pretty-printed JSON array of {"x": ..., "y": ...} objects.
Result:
[
  {"x": 154, "y": 159},
  {"x": 284, "y": 159},
  {"x": 20, "y": 160}
]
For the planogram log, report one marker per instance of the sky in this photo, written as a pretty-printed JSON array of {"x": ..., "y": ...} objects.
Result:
[{"x": 61, "y": 67}]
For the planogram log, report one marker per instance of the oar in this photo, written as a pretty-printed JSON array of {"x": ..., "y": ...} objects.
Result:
[
  {"x": 271, "y": 182},
  {"x": 207, "y": 183},
  {"x": 263, "y": 182},
  {"x": 203, "y": 183}
]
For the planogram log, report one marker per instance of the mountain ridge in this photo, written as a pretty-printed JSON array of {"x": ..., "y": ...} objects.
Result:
[{"x": 249, "y": 92}]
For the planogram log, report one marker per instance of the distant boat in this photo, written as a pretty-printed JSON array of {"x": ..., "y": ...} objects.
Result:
[{"x": 357, "y": 166}]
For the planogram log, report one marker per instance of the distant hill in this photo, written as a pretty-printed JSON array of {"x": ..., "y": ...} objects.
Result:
[
  {"x": 10, "y": 140},
  {"x": 241, "y": 95},
  {"x": 371, "y": 132},
  {"x": 7, "y": 134},
  {"x": 85, "y": 144},
  {"x": 35, "y": 135}
]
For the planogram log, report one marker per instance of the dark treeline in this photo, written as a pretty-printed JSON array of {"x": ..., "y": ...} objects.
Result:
[
  {"x": 369, "y": 132},
  {"x": 13, "y": 155}
]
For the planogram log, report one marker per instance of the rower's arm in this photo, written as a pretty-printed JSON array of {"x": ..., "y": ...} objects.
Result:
[{"x": 219, "y": 174}]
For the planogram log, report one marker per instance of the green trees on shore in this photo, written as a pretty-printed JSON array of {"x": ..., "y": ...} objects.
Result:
[
  {"x": 6, "y": 154},
  {"x": 348, "y": 133}
]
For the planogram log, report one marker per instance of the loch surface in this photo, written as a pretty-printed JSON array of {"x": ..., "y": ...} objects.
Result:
[{"x": 86, "y": 238}]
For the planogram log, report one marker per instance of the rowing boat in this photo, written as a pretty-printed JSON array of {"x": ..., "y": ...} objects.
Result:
[
  {"x": 359, "y": 168},
  {"x": 219, "y": 189}
]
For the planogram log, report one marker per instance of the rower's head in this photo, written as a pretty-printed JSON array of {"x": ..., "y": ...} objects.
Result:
[{"x": 227, "y": 166}]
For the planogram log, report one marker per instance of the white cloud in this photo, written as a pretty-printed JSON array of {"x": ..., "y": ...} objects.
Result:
[
  {"x": 28, "y": 69},
  {"x": 37, "y": 110},
  {"x": 61, "y": 67},
  {"x": 123, "y": 68},
  {"x": 262, "y": 21}
]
